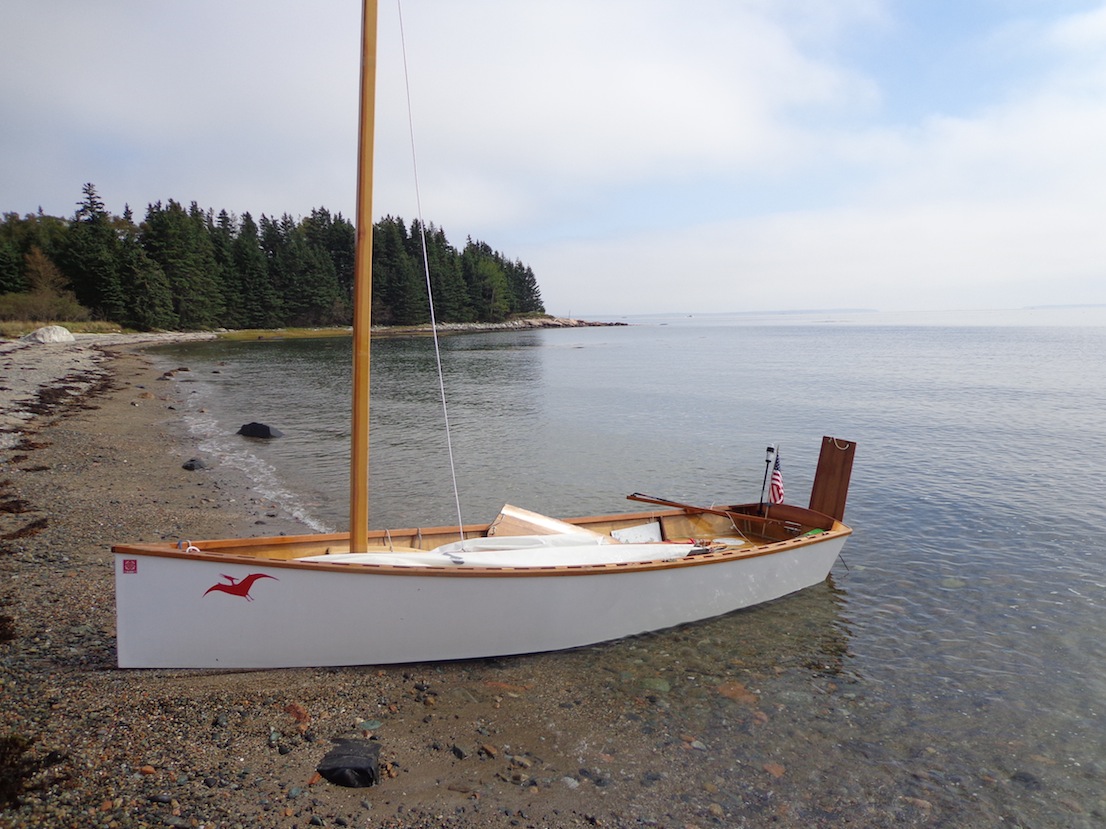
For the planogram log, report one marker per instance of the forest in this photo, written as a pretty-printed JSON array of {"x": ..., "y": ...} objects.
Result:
[{"x": 193, "y": 269}]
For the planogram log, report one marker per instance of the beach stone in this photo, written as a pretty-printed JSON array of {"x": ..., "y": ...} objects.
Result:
[
  {"x": 259, "y": 430},
  {"x": 352, "y": 763},
  {"x": 1028, "y": 780},
  {"x": 49, "y": 334},
  {"x": 193, "y": 464}
]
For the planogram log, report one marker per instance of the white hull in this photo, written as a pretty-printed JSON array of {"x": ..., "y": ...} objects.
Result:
[
  {"x": 308, "y": 614},
  {"x": 313, "y": 601}
]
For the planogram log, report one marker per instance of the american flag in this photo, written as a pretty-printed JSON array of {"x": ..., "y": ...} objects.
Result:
[{"x": 775, "y": 490}]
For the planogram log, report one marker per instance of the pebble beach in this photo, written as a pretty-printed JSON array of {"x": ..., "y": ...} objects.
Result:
[{"x": 92, "y": 455}]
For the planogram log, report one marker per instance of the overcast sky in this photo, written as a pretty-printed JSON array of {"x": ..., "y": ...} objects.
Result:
[{"x": 641, "y": 155}]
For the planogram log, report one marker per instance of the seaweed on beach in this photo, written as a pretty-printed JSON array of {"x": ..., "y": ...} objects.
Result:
[
  {"x": 51, "y": 397},
  {"x": 13, "y": 506},
  {"x": 75, "y": 390},
  {"x": 15, "y": 768},
  {"x": 34, "y": 528},
  {"x": 7, "y": 623}
]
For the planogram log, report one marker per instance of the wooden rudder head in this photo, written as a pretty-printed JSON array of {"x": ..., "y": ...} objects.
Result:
[{"x": 831, "y": 479}]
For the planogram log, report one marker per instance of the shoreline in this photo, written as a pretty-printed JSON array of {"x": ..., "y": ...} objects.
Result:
[
  {"x": 98, "y": 460},
  {"x": 720, "y": 723}
]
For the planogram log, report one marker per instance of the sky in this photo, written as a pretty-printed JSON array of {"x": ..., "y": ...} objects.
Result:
[{"x": 642, "y": 156}]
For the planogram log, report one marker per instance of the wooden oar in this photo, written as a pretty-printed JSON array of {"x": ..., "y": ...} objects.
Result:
[
  {"x": 791, "y": 515},
  {"x": 664, "y": 502}
]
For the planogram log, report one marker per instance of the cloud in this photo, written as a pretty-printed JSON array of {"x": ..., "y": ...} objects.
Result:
[
  {"x": 999, "y": 209},
  {"x": 640, "y": 156},
  {"x": 582, "y": 97}
]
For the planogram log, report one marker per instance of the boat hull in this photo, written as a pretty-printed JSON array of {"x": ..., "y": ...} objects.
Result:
[{"x": 180, "y": 611}]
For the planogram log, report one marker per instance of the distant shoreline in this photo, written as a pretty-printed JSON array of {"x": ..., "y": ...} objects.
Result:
[{"x": 527, "y": 323}]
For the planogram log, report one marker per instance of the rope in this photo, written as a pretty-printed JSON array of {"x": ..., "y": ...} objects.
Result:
[{"x": 426, "y": 272}]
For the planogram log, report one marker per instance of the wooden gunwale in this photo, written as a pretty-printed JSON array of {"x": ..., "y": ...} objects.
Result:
[{"x": 696, "y": 560}]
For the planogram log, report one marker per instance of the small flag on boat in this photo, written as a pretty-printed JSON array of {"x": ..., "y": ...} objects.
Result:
[{"x": 775, "y": 490}]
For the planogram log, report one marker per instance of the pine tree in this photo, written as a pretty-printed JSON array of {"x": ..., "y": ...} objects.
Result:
[
  {"x": 11, "y": 271},
  {"x": 525, "y": 293},
  {"x": 179, "y": 243},
  {"x": 149, "y": 300},
  {"x": 399, "y": 294},
  {"x": 338, "y": 238},
  {"x": 221, "y": 231},
  {"x": 90, "y": 258},
  {"x": 450, "y": 295},
  {"x": 488, "y": 290}
]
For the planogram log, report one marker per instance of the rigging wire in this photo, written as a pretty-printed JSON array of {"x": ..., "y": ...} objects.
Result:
[{"x": 426, "y": 272}]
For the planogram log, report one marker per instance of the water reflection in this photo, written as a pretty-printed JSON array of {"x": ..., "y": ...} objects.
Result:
[{"x": 953, "y": 673}]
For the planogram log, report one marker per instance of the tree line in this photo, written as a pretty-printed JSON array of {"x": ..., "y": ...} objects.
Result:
[{"x": 189, "y": 268}]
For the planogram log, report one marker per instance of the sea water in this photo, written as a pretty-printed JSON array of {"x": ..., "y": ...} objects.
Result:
[{"x": 968, "y": 615}]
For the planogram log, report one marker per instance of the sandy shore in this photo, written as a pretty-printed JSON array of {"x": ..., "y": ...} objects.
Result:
[{"x": 93, "y": 456}]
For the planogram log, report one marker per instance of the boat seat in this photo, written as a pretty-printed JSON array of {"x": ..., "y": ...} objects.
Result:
[{"x": 516, "y": 521}]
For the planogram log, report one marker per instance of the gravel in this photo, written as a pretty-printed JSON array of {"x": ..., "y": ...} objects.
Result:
[{"x": 94, "y": 457}]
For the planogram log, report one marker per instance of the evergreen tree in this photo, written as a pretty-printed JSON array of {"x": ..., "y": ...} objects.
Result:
[
  {"x": 450, "y": 295},
  {"x": 310, "y": 289},
  {"x": 90, "y": 258},
  {"x": 399, "y": 294},
  {"x": 255, "y": 304},
  {"x": 217, "y": 270},
  {"x": 11, "y": 271},
  {"x": 47, "y": 233},
  {"x": 525, "y": 293},
  {"x": 179, "y": 243},
  {"x": 488, "y": 290},
  {"x": 221, "y": 231},
  {"x": 149, "y": 299},
  {"x": 338, "y": 238},
  {"x": 272, "y": 245}
]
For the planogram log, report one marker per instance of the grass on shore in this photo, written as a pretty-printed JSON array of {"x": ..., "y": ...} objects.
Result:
[
  {"x": 284, "y": 333},
  {"x": 14, "y": 329}
]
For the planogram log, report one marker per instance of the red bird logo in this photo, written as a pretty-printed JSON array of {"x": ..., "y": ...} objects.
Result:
[{"x": 239, "y": 588}]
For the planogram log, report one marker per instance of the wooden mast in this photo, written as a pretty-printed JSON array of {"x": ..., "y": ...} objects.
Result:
[{"x": 362, "y": 289}]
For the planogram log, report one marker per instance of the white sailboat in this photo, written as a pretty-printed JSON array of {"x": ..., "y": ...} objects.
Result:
[{"x": 522, "y": 583}]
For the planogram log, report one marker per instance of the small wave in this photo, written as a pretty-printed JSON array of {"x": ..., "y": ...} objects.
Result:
[{"x": 216, "y": 441}]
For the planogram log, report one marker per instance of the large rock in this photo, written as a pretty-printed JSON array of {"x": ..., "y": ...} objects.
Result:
[
  {"x": 260, "y": 430},
  {"x": 352, "y": 763},
  {"x": 49, "y": 334}
]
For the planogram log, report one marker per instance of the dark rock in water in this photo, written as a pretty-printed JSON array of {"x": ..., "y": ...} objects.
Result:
[
  {"x": 352, "y": 763},
  {"x": 193, "y": 464},
  {"x": 260, "y": 430},
  {"x": 1027, "y": 779}
]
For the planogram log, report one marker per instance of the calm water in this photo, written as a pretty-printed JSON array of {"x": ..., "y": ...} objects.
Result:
[{"x": 967, "y": 619}]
